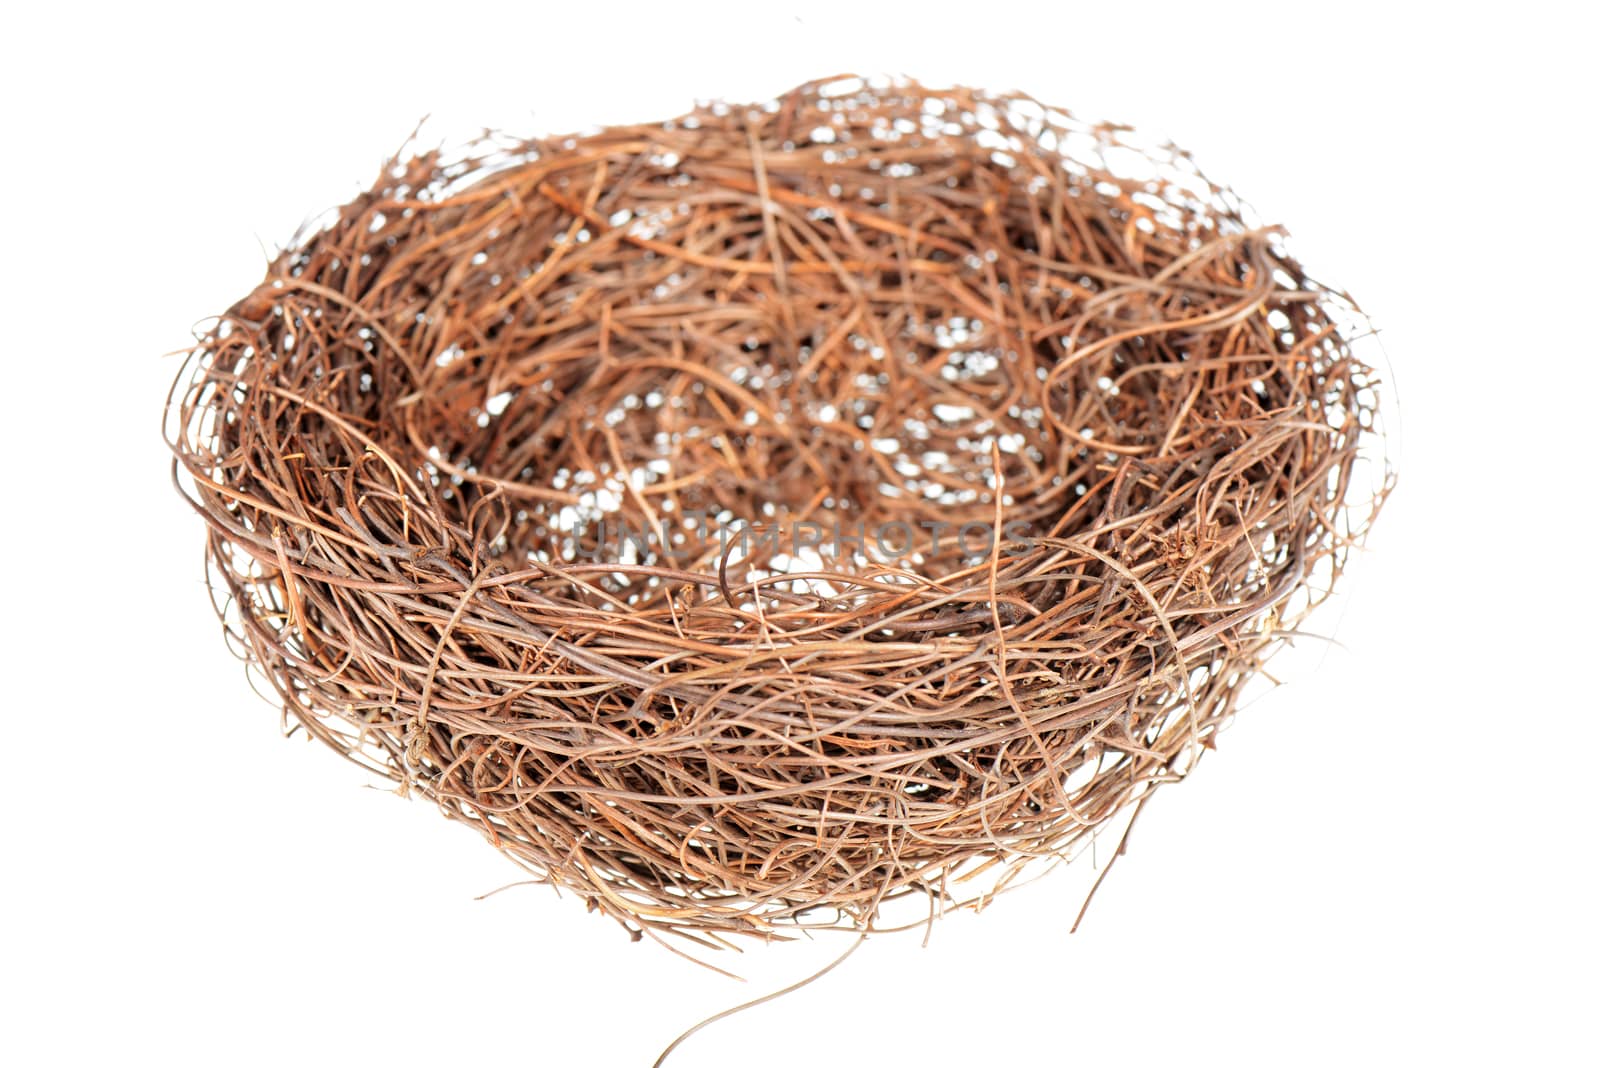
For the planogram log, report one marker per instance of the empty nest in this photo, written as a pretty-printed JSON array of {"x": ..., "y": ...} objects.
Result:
[{"x": 751, "y": 519}]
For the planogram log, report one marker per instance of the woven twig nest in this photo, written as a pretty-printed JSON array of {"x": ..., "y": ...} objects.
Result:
[{"x": 748, "y": 519}]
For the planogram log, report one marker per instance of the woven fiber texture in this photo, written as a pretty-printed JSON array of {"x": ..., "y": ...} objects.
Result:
[{"x": 751, "y": 519}]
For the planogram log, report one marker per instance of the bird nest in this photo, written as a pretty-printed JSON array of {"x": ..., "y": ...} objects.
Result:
[{"x": 749, "y": 519}]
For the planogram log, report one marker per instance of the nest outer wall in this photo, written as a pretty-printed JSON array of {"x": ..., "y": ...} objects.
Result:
[{"x": 729, "y": 340}]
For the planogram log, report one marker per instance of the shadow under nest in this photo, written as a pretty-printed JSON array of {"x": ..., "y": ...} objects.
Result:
[{"x": 749, "y": 519}]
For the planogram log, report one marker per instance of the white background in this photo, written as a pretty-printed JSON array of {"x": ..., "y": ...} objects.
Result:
[{"x": 1389, "y": 859}]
